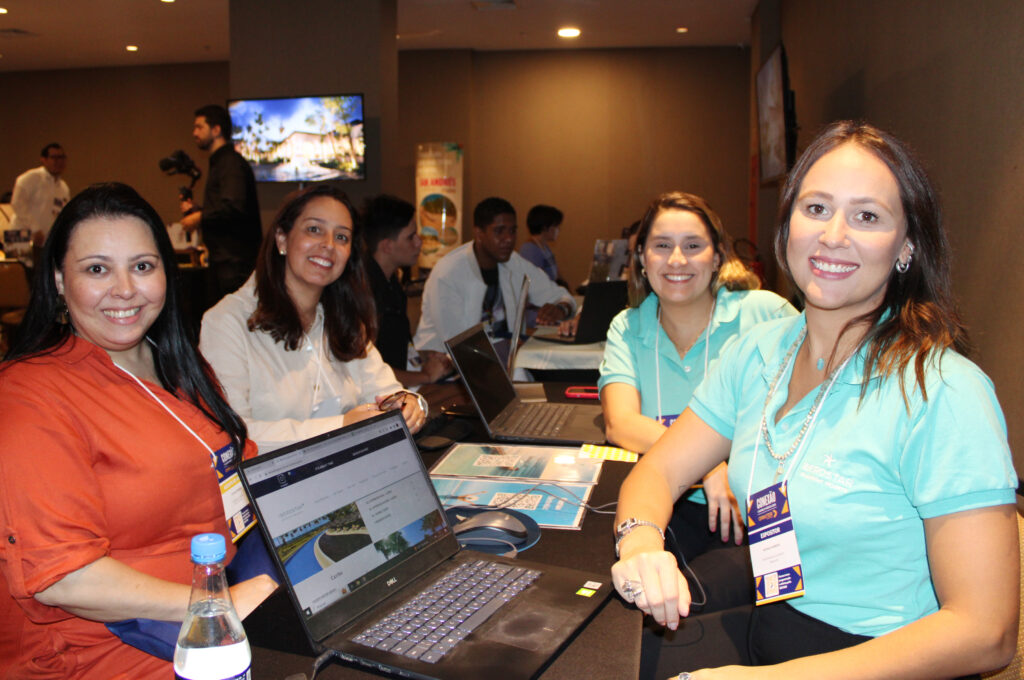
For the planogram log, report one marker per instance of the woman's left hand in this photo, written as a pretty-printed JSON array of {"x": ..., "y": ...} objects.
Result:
[{"x": 723, "y": 510}]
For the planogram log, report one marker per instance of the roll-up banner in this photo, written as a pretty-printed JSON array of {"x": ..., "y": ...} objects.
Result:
[{"x": 438, "y": 199}]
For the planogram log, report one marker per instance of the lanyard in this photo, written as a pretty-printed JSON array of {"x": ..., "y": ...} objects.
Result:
[
  {"x": 809, "y": 422},
  {"x": 213, "y": 456},
  {"x": 657, "y": 354}
]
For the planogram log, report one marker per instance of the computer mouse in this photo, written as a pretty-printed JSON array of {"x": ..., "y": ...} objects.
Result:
[{"x": 492, "y": 524}]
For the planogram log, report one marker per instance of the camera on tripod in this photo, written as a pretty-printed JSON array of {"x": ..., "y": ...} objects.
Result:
[{"x": 179, "y": 163}]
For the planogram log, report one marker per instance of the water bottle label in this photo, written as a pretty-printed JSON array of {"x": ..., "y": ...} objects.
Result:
[
  {"x": 224, "y": 662},
  {"x": 245, "y": 675}
]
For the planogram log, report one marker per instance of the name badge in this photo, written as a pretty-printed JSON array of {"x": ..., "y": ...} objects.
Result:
[
  {"x": 668, "y": 420},
  {"x": 778, "y": 574},
  {"x": 237, "y": 510}
]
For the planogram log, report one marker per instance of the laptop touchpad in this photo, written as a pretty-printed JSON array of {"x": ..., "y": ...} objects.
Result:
[{"x": 533, "y": 628}]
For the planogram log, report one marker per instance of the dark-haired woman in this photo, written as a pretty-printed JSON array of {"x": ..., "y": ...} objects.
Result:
[
  {"x": 109, "y": 422},
  {"x": 689, "y": 295},
  {"x": 293, "y": 348},
  {"x": 871, "y": 455}
]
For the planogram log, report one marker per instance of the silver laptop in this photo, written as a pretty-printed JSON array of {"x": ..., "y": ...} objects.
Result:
[
  {"x": 359, "y": 537},
  {"x": 507, "y": 416}
]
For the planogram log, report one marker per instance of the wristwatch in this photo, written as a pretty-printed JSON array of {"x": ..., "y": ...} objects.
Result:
[{"x": 627, "y": 525}]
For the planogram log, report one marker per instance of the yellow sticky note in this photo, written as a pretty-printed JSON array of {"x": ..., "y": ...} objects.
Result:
[{"x": 608, "y": 453}]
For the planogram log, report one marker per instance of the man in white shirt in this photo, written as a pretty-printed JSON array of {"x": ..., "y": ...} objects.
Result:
[
  {"x": 482, "y": 280},
  {"x": 40, "y": 193}
]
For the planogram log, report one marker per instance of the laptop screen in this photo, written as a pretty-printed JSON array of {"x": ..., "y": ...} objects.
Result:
[
  {"x": 344, "y": 508},
  {"x": 483, "y": 372}
]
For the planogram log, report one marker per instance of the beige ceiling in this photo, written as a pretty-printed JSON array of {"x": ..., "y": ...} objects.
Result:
[{"x": 57, "y": 34}]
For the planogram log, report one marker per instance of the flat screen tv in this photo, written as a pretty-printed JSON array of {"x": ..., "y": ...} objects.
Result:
[{"x": 301, "y": 139}]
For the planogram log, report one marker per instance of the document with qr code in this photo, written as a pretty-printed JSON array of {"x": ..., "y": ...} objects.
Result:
[
  {"x": 513, "y": 461},
  {"x": 552, "y": 505}
]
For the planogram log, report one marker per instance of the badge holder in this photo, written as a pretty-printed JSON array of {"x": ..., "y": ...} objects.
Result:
[{"x": 778, "y": 573}]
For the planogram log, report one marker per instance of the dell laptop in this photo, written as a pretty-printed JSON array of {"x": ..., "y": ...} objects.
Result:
[
  {"x": 375, "y": 574},
  {"x": 509, "y": 417}
]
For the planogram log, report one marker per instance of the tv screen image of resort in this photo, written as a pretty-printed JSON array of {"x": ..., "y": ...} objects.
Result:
[{"x": 302, "y": 139}]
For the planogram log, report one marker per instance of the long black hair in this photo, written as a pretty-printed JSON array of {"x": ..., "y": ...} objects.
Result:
[
  {"x": 179, "y": 367},
  {"x": 918, "y": 314},
  {"x": 350, "y": 318}
]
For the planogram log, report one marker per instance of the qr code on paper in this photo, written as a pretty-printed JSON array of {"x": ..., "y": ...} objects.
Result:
[
  {"x": 505, "y": 500},
  {"x": 508, "y": 461}
]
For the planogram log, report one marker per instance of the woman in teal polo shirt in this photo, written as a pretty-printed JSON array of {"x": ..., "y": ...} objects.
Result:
[
  {"x": 879, "y": 449},
  {"x": 690, "y": 295}
]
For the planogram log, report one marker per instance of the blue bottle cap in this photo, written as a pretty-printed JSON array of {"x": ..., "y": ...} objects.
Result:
[{"x": 208, "y": 548}]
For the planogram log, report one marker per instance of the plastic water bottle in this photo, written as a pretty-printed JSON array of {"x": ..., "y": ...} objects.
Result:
[{"x": 212, "y": 643}]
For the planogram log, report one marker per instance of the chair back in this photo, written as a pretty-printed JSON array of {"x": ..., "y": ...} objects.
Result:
[{"x": 14, "y": 289}]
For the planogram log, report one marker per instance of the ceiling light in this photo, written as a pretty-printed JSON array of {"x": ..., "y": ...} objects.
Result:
[
  {"x": 132, "y": 48},
  {"x": 682, "y": 29},
  {"x": 568, "y": 32},
  {"x": 3, "y": 10},
  {"x": 166, "y": 0}
]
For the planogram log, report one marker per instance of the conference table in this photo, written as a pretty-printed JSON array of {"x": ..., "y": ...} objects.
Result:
[
  {"x": 537, "y": 357},
  {"x": 607, "y": 648}
]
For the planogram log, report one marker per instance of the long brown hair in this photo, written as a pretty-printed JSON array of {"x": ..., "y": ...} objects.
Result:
[
  {"x": 349, "y": 316},
  {"x": 731, "y": 273},
  {"x": 918, "y": 314}
]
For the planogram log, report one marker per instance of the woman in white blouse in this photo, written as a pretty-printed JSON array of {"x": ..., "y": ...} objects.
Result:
[{"x": 293, "y": 347}]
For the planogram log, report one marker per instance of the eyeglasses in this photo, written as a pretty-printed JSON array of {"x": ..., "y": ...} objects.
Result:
[
  {"x": 392, "y": 401},
  {"x": 397, "y": 401}
]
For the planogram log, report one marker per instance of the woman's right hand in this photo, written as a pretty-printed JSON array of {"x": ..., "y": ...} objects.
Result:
[
  {"x": 651, "y": 570},
  {"x": 249, "y": 594}
]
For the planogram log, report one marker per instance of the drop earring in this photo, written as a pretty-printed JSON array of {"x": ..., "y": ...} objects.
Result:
[{"x": 63, "y": 318}]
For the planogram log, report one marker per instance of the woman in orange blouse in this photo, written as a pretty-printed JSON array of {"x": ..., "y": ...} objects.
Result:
[{"x": 108, "y": 423}]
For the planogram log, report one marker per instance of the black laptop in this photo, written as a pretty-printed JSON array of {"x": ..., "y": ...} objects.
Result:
[
  {"x": 368, "y": 559},
  {"x": 506, "y": 415},
  {"x": 601, "y": 302}
]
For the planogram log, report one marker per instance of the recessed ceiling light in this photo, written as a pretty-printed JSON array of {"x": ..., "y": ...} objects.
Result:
[
  {"x": 568, "y": 32},
  {"x": 166, "y": 0},
  {"x": 3, "y": 10},
  {"x": 132, "y": 48},
  {"x": 682, "y": 29}
]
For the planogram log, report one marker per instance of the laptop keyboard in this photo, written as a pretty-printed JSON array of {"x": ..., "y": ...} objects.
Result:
[
  {"x": 538, "y": 418},
  {"x": 432, "y": 623}
]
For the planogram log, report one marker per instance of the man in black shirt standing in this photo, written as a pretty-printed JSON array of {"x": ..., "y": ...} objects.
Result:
[
  {"x": 230, "y": 216},
  {"x": 392, "y": 242}
]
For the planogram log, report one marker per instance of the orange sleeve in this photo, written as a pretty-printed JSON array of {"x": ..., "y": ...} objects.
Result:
[{"x": 51, "y": 506}]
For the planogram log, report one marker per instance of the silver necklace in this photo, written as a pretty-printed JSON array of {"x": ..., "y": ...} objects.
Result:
[{"x": 826, "y": 387}]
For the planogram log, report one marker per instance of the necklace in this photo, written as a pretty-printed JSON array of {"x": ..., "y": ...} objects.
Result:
[
  {"x": 657, "y": 356},
  {"x": 812, "y": 414}
]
